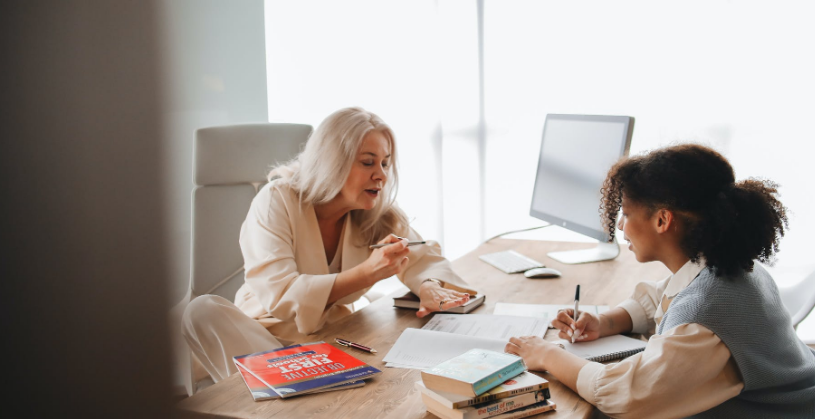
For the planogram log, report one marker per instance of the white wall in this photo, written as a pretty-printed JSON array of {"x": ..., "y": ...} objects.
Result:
[{"x": 215, "y": 74}]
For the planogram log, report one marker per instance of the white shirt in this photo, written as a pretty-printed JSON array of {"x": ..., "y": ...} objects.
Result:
[
  {"x": 683, "y": 371},
  {"x": 289, "y": 279}
]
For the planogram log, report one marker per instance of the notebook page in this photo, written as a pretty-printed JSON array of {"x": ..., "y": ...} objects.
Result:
[
  {"x": 488, "y": 325},
  {"x": 610, "y": 345},
  {"x": 422, "y": 349},
  {"x": 548, "y": 312}
]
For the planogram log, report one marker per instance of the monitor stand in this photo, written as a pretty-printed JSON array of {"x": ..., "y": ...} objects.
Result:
[{"x": 603, "y": 251}]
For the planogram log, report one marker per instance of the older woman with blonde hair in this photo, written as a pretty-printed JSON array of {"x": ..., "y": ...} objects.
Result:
[{"x": 305, "y": 243}]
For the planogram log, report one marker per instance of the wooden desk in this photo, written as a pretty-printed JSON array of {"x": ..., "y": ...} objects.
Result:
[{"x": 392, "y": 394}]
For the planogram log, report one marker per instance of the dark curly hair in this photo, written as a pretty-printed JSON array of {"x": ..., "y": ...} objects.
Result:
[{"x": 728, "y": 223}]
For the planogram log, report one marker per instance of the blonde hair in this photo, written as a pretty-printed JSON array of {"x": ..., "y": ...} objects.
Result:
[{"x": 319, "y": 172}]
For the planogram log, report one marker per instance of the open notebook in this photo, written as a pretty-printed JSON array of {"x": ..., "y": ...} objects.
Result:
[{"x": 605, "y": 349}]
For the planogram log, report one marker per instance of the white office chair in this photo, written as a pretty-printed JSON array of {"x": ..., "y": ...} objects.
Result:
[
  {"x": 799, "y": 299},
  {"x": 230, "y": 164}
]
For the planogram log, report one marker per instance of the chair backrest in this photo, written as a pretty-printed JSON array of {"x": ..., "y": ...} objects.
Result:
[
  {"x": 799, "y": 299},
  {"x": 230, "y": 164}
]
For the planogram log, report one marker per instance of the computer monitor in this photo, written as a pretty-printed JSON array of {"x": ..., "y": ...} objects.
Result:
[{"x": 575, "y": 155}]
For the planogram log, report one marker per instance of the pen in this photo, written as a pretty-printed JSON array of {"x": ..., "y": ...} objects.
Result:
[
  {"x": 377, "y": 246},
  {"x": 576, "y": 313},
  {"x": 350, "y": 344}
]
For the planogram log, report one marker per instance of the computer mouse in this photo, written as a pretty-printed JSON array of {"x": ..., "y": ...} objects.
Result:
[{"x": 536, "y": 273}]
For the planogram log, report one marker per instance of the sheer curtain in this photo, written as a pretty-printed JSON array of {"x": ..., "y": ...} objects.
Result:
[
  {"x": 734, "y": 75},
  {"x": 414, "y": 63},
  {"x": 737, "y": 76}
]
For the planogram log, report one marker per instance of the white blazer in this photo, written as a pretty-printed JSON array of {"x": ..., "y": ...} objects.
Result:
[{"x": 287, "y": 274}]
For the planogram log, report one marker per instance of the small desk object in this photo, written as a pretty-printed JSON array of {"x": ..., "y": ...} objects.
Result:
[{"x": 392, "y": 394}]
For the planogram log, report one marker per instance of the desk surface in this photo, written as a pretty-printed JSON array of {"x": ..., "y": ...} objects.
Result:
[{"x": 392, "y": 394}]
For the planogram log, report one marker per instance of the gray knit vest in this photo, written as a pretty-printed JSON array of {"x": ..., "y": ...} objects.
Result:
[{"x": 746, "y": 313}]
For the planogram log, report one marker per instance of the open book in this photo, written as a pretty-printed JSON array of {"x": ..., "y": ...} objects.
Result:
[
  {"x": 605, "y": 349},
  {"x": 422, "y": 349}
]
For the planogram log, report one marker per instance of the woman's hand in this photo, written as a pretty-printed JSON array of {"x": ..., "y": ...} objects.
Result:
[
  {"x": 585, "y": 329},
  {"x": 532, "y": 349},
  {"x": 387, "y": 261},
  {"x": 432, "y": 297}
]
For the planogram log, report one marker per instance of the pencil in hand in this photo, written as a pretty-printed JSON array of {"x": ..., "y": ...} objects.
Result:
[{"x": 377, "y": 246}]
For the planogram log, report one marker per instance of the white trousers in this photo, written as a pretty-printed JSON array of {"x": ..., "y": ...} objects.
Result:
[{"x": 216, "y": 330}]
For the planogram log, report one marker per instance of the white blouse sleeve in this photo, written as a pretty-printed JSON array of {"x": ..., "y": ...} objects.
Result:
[
  {"x": 267, "y": 243},
  {"x": 687, "y": 370},
  {"x": 642, "y": 305}
]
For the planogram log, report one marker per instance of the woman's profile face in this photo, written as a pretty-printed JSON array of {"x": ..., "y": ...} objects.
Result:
[
  {"x": 636, "y": 224},
  {"x": 369, "y": 172}
]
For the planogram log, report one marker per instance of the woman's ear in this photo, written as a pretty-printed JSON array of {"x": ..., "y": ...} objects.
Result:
[{"x": 664, "y": 220}]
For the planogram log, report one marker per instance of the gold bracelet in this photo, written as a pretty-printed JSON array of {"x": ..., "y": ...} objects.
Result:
[{"x": 432, "y": 279}]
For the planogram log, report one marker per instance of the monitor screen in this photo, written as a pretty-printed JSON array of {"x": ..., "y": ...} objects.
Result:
[{"x": 576, "y": 153}]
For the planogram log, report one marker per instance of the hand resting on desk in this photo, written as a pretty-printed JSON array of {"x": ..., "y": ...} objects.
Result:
[{"x": 434, "y": 297}]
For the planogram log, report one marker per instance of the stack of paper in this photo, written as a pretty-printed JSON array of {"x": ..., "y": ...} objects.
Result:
[{"x": 487, "y": 325}]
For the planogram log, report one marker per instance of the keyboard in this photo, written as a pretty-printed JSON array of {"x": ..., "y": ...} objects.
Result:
[{"x": 511, "y": 261}]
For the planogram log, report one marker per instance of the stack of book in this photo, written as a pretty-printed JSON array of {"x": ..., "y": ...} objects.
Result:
[
  {"x": 484, "y": 384},
  {"x": 301, "y": 369}
]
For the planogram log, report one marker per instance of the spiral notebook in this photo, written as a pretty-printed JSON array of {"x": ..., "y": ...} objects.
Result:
[{"x": 605, "y": 349}]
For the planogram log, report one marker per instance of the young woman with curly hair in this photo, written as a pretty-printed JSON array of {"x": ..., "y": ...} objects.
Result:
[{"x": 722, "y": 344}]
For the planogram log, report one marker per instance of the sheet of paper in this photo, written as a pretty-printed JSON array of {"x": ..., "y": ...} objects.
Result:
[
  {"x": 547, "y": 312},
  {"x": 488, "y": 325},
  {"x": 422, "y": 349}
]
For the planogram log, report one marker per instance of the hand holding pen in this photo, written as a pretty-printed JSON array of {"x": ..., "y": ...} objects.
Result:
[
  {"x": 389, "y": 258},
  {"x": 582, "y": 327}
]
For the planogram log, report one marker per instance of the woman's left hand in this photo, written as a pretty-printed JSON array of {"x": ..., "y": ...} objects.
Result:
[
  {"x": 533, "y": 349},
  {"x": 432, "y": 297}
]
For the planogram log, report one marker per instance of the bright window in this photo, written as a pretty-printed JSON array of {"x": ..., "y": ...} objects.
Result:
[{"x": 737, "y": 76}]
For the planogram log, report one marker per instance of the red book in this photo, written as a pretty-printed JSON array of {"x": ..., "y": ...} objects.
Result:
[
  {"x": 306, "y": 368},
  {"x": 260, "y": 391}
]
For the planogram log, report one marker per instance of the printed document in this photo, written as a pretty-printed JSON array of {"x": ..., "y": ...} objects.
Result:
[
  {"x": 488, "y": 325},
  {"x": 547, "y": 312}
]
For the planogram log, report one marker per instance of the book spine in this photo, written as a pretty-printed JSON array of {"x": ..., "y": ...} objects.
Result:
[
  {"x": 497, "y": 396},
  {"x": 505, "y": 405},
  {"x": 529, "y": 410},
  {"x": 483, "y": 385}
]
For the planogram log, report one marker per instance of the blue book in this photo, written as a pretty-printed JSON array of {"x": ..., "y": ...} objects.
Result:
[{"x": 473, "y": 373}]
